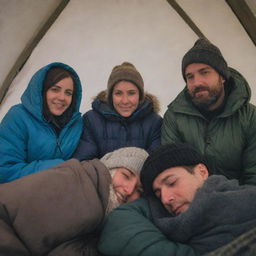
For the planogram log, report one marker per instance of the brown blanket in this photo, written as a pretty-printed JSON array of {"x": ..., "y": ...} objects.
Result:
[{"x": 54, "y": 212}]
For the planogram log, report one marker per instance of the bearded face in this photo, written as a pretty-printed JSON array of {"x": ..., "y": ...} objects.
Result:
[{"x": 205, "y": 86}]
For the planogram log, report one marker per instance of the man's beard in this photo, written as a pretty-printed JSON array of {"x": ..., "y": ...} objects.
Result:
[{"x": 205, "y": 103}]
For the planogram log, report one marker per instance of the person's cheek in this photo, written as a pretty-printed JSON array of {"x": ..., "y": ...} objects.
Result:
[{"x": 133, "y": 196}]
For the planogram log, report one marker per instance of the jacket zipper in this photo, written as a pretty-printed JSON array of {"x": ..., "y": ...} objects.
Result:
[{"x": 58, "y": 146}]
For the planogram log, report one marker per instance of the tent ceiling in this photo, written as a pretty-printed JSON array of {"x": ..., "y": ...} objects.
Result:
[
  {"x": 246, "y": 13},
  {"x": 245, "y": 10},
  {"x": 57, "y": 6}
]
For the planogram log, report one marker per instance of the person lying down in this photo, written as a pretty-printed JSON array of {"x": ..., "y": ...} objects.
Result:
[{"x": 60, "y": 211}]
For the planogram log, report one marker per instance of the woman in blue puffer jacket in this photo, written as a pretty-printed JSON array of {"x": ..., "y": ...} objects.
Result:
[
  {"x": 44, "y": 130},
  {"x": 121, "y": 116}
]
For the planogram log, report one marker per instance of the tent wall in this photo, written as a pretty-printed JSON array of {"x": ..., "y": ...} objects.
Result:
[
  {"x": 94, "y": 36},
  {"x": 23, "y": 23}
]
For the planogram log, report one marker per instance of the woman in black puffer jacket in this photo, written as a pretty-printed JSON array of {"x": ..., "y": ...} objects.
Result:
[{"x": 123, "y": 115}]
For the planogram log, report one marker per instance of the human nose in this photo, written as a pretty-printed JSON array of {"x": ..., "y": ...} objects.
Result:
[
  {"x": 124, "y": 99},
  {"x": 196, "y": 81},
  {"x": 166, "y": 196},
  {"x": 129, "y": 188},
  {"x": 61, "y": 95}
]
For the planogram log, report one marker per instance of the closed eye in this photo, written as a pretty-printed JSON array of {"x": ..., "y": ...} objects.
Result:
[
  {"x": 127, "y": 176},
  {"x": 170, "y": 184}
]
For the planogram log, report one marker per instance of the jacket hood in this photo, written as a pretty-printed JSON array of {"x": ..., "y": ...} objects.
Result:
[
  {"x": 240, "y": 94},
  {"x": 102, "y": 96},
  {"x": 32, "y": 97}
]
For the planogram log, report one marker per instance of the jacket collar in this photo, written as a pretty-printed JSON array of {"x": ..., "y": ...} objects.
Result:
[{"x": 240, "y": 95}]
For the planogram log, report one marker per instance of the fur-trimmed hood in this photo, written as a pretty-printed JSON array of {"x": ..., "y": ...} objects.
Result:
[
  {"x": 141, "y": 129},
  {"x": 102, "y": 96}
]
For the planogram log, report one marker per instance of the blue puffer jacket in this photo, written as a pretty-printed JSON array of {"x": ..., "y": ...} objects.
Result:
[
  {"x": 28, "y": 143},
  {"x": 105, "y": 130}
]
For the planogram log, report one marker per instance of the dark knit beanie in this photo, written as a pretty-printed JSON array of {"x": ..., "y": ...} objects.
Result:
[
  {"x": 205, "y": 52},
  {"x": 125, "y": 72},
  {"x": 165, "y": 157}
]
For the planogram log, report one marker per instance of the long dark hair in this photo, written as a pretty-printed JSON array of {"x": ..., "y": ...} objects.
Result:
[{"x": 54, "y": 75}]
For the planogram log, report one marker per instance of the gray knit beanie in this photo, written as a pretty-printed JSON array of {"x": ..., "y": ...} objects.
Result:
[
  {"x": 125, "y": 72},
  {"x": 131, "y": 158},
  {"x": 165, "y": 157},
  {"x": 205, "y": 52}
]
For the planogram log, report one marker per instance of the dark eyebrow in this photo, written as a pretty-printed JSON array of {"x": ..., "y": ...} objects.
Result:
[
  {"x": 55, "y": 85},
  {"x": 130, "y": 172},
  {"x": 187, "y": 74},
  {"x": 202, "y": 69},
  {"x": 166, "y": 178},
  {"x": 163, "y": 181},
  {"x": 199, "y": 70}
]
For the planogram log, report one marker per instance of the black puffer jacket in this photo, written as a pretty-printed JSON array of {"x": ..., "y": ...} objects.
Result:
[{"x": 105, "y": 130}]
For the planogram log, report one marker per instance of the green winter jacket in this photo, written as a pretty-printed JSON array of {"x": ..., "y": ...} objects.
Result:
[
  {"x": 129, "y": 231},
  {"x": 228, "y": 140}
]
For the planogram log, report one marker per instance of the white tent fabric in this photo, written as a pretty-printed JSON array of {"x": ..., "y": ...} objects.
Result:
[
  {"x": 20, "y": 21},
  {"x": 94, "y": 35}
]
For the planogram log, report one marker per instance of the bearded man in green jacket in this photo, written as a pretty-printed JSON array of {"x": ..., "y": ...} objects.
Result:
[{"x": 213, "y": 114}]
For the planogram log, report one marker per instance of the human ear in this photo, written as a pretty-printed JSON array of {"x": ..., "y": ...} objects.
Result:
[
  {"x": 203, "y": 171},
  {"x": 222, "y": 79}
]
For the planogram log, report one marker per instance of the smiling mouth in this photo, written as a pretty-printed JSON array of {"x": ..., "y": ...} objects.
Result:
[
  {"x": 202, "y": 93},
  {"x": 59, "y": 105},
  {"x": 120, "y": 197},
  {"x": 200, "y": 90},
  {"x": 125, "y": 109}
]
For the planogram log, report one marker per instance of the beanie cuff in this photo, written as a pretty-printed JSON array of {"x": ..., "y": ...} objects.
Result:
[
  {"x": 165, "y": 157},
  {"x": 131, "y": 158},
  {"x": 126, "y": 72},
  {"x": 205, "y": 52},
  {"x": 206, "y": 57}
]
